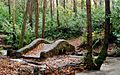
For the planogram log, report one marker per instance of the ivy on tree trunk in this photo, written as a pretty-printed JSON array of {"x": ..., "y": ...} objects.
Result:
[
  {"x": 88, "y": 60},
  {"x": 103, "y": 54}
]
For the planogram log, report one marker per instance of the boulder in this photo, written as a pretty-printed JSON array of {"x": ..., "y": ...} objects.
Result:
[
  {"x": 57, "y": 48},
  {"x": 29, "y": 47},
  {"x": 50, "y": 49}
]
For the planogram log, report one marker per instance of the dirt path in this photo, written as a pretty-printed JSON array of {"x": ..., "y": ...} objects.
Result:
[{"x": 75, "y": 42}]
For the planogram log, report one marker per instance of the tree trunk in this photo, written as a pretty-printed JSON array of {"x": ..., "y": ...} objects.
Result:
[
  {"x": 24, "y": 25},
  {"x": 36, "y": 17},
  {"x": 75, "y": 7},
  {"x": 88, "y": 60},
  {"x": 95, "y": 3},
  {"x": 53, "y": 6},
  {"x": 43, "y": 18},
  {"x": 9, "y": 8},
  {"x": 30, "y": 14},
  {"x": 14, "y": 20},
  {"x": 58, "y": 22},
  {"x": 103, "y": 54},
  {"x": 51, "y": 10},
  {"x": 64, "y": 4},
  {"x": 82, "y": 4},
  {"x": 101, "y": 2}
]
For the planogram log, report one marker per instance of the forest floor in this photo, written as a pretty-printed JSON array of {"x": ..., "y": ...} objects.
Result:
[
  {"x": 57, "y": 65},
  {"x": 18, "y": 67}
]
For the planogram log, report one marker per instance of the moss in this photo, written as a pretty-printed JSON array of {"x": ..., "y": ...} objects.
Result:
[
  {"x": 101, "y": 58},
  {"x": 1, "y": 48},
  {"x": 88, "y": 61},
  {"x": 118, "y": 52}
]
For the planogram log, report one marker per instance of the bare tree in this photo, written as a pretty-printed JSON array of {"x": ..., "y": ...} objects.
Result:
[
  {"x": 43, "y": 18},
  {"x": 14, "y": 19},
  {"x": 53, "y": 6},
  {"x": 103, "y": 54},
  {"x": 24, "y": 25},
  {"x": 88, "y": 60},
  {"x": 64, "y": 4},
  {"x": 101, "y": 2},
  {"x": 51, "y": 10},
  {"x": 9, "y": 8},
  {"x": 30, "y": 14},
  {"x": 90, "y": 65},
  {"x": 75, "y": 7},
  {"x": 36, "y": 17},
  {"x": 82, "y": 4},
  {"x": 95, "y": 3},
  {"x": 58, "y": 22}
]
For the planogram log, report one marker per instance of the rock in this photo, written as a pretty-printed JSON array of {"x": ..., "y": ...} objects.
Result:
[
  {"x": 112, "y": 53},
  {"x": 81, "y": 53},
  {"x": 6, "y": 46},
  {"x": 57, "y": 48},
  {"x": 112, "y": 50},
  {"x": 29, "y": 47},
  {"x": 3, "y": 52},
  {"x": 36, "y": 71},
  {"x": 2, "y": 37},
  {"x": 19, "y": 60},
  {"x": 118, "y": 52}
]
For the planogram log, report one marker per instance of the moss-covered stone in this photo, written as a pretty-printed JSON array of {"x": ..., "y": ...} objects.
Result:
[
  {"x": 30, "y": 47},
  {"x": 57, "y": 48}
]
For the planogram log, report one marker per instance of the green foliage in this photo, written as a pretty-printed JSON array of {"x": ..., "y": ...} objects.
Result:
[
  {"x": 118, "y": 52},
  {"x": 3, "y": 14},
  {"x": 98, "y": 16},
  {"x": 70, "y": 25},
  {"x": 115, "y": 19}
]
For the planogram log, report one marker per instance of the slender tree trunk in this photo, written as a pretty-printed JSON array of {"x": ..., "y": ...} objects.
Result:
[
  {"x": 51, "y": 11},
  {"x": 75, "y": 7},
  {"x": 58, "y": 22},
  {"x": 14, "y": 14},
  {"x": 14, "y": 20},
  {"x": 30, "y": 14},
  {"x": 24, "y": 25},
  {"x": 53, "y": 2},
  {"x": 101, "y": 3},
  {"x": 82, "y": 4},
  {"x": 9, "y": 8},
  {"x": 67, "y": 1},
  {"x": 64, "y": 4},
  {"x": 41, "y": 2},
  {"x": 36, "y": 18},
  {"x": 103, "y": 54},
  {"x": 95, "y": 3},
  {"x": 88, "y": 59},
  {"x": 43, "y": 18}
]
